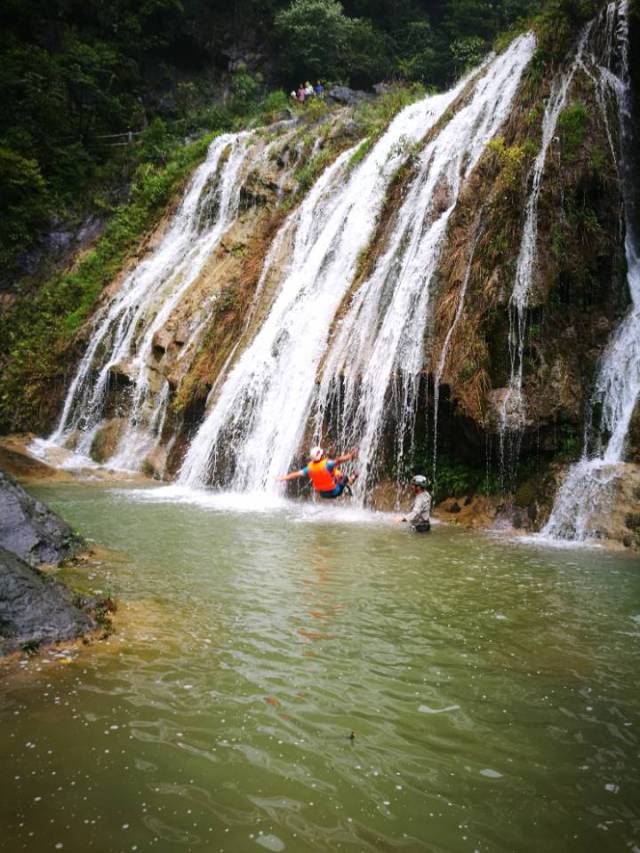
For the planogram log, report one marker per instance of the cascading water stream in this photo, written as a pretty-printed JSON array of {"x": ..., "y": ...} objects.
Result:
[
  {"x": 442, "y": 360},
  {"x": 589, "y": 482},
  {"x": 512, "y": 414},
  {"x": 258, "y": 414},
  {"x": 380, "y": 343},
  {"x": 124, "y": 329}
]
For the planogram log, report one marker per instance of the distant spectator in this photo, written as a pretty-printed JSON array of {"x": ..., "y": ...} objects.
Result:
[
  {"x": 319, "y": 89},
  {"x": 294, "y": 95},
  {"x": 301, "y": 94},
  {"x": 308, "y": 89}
]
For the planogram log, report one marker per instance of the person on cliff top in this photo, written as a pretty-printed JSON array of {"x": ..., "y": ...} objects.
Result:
[
  {"x": 319, "y": 90},
  {"x": 308, "y": 90},
  {"x": 419, "y": 517},
  {"x": 301, "y": 94},
  {"x": 325, "y": 475}
]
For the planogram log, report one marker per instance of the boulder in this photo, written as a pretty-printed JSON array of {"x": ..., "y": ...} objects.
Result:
[
  {"x": 106, "y": 440},
  {"x": 30, "y": 529},
  {"x": 35, "y": 608},
  {"x": 345, "y": 95}
]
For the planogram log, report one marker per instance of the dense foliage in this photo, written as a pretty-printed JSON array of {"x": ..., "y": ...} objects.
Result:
[{"x": 77, "y": 77}]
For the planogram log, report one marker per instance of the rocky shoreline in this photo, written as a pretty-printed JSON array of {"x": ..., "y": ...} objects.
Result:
[{"x": 36, "y": 609}]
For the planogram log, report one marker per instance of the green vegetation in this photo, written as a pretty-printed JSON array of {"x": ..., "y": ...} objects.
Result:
[
  {"x": 573, "y": 124},
  {"x": 514, "y": 161},
  {"x": 559, "y": 23},
  {"x": 33, "y": 335},
  {"x": 319, "y": 40},
  {"x": 77, "y": 78},
  {"x": 455, "y": 479}
]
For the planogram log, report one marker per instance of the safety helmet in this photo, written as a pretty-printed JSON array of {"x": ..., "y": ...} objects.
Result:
[
  {"x": 419, "y": 480},
  {"x": 316, "y": 454}
]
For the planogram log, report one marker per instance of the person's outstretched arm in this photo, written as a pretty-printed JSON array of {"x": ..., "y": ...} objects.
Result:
[
  {"x": 346, "y": 456},
  {"x": 291, "y": 476}
]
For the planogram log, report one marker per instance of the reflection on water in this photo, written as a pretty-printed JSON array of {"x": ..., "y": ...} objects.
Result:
[{"x": 307, "y": 678}]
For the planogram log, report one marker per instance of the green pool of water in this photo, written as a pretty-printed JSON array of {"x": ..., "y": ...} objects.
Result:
[{"x": 491, "y": 688}]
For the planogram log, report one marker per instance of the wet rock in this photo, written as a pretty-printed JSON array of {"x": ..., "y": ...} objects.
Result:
[
  {"x": 504, "y": 405},
  {"x": 30, "y": 529},
  {"x": 106, "y": 440},
  {"x": 632, "y": 520},
  {"x": 182, "y": 334},
  {"x": 161, "y": 342},
  {"x": 633, "y": 436},
  {"x": 120, "y": 374},
  {"x": 525, "y": 494},
  {"x": 441, "y": 199},
  {"x": 35, "y": 608},
  {"x": 16, "y": 461},
  {"x": 617, "y": 515},
  {"x": 155, "y": 463}
]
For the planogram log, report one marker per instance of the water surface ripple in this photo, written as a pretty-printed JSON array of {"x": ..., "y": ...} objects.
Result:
[{"x": 491, "y": 689}]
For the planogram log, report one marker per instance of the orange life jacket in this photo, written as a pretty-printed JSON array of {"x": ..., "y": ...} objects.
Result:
[{"x": 323, "y": 480}]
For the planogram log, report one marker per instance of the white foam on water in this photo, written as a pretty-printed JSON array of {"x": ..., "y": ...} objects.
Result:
[
  {"x": 319, "y": 511},
  {"x": 50, "y": 452},
  {"x": 425, "y": 709}
]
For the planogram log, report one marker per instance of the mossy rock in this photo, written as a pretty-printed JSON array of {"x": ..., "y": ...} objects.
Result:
[{"x": 526, "y": 494}]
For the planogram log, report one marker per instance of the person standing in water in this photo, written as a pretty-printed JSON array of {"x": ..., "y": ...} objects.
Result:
[
  {"x": 419, "y": 517},
  {"x": 325, "y": 475}
]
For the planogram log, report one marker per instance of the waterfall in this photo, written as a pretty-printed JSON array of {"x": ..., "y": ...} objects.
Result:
[
  {"x": 124, "y": 329},
  {"x": 589, "y": 483},
  {"x": 379, "y": 346},
  {"x": 512, "y": 411},
  {"x": 442, "y": 360},
  {"x": 257, "y": 416}
]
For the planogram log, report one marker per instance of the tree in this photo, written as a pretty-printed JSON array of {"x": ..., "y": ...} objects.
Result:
[{"x": 318, "y": 40}]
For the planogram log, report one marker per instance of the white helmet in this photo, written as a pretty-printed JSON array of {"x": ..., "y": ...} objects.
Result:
[{"x": 316, "y": 454}]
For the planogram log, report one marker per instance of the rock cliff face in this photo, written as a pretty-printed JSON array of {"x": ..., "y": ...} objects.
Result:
[{"x": 530, "y": 282}]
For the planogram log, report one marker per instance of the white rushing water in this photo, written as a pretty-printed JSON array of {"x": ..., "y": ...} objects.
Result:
[
  {"x": 512, "y": 410},
  {"x": 590, "y": 482},
  {"x": 124, "y": 329},
  {"x": 379, "y": 348},
  {"x": 442, "y": 359},
  {"x": 258, "y": 415}
]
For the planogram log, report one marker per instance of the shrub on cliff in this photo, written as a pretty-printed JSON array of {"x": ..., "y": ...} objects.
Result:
[{"x": 318, "y": 40}]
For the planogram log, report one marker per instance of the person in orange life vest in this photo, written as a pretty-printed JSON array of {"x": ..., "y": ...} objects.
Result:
[{"x": 327, "y": 479}]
